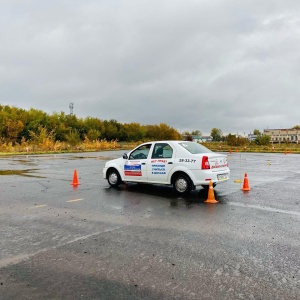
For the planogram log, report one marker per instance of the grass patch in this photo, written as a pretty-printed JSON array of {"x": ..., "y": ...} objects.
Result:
[{"x": 103, "y": 145}]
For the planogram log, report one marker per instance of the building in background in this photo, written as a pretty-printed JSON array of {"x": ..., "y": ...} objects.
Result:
[
  {"x": 197, "y": 138},
  {"x": 283, "y": 135},
  {"x": 203, "y": 139},
  {"x": 252, "y": 137}
]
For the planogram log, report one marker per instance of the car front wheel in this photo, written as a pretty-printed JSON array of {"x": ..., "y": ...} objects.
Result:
[
  {"x": 113, "y": 178},
  {"x": 182, "y": 184}
]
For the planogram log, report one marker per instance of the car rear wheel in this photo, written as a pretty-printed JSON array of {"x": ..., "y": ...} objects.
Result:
[
  {"x": 182, "y": 184},
  {"x": 113, "y": 177}
]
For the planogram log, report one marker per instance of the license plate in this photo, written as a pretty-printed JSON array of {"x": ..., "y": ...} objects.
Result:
[{"x": 222, "y": 176}]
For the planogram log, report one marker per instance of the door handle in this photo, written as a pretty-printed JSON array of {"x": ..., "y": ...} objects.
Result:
[
  {"x": 170, "y": 163},
  {"x": 143, "y": 163}
]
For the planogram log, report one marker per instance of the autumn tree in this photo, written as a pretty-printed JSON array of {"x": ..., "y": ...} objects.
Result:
[
  {"x": 262, "y": 139},
  {"x": 256, "y": 132},
  {"x": 162, "y": 132},
  {"x": 93, "y": 128},
  {"x": 42, "y": 137},
  {"x": 134, "y": 132},
  {"x": 197, "y": 132},
  {"x": 233, "y": 140},
  {"x": 13, "y": 129},
  {"x": 111, "y": 129},
  {"x": 216, "y": 134},
  {"x": 73, "y": 137},
  {"x": 168, "y": 133}
]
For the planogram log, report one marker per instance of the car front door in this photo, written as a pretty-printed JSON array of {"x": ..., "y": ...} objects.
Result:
[
  {"x": 135, "y": 167},
  {"x": 161, "y": 163}
]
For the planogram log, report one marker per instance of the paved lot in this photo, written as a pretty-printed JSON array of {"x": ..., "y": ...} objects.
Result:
[{"x": 145, "y": 242}]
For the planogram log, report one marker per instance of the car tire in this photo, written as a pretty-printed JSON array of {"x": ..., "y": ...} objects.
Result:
[
  {"x": 113, "y": 177},
  {"x": 182, "y": 184}
]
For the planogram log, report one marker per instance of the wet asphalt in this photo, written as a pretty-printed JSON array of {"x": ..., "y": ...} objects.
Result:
[{"x": 143, "y": 241}]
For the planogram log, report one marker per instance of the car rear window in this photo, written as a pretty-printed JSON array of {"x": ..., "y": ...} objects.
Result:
[{"x": 194, "y": 148}]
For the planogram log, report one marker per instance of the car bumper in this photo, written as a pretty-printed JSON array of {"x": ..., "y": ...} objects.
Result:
[{"x": 216, "y": 177}]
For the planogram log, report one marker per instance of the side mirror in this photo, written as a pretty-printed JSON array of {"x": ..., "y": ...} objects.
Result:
[{"x": 125, "y": 156}]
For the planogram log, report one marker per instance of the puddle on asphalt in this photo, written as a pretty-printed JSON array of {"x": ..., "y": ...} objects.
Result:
[
  {"x": 93, "y": 157},
  {"x": 24, "y": 162},
  {"x": 20, "y": 173}
]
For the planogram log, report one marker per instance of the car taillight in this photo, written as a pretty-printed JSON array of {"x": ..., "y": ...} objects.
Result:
[{"x": 205, "y": 163}]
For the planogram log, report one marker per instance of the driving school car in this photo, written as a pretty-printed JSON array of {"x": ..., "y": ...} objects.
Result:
[{"x": 183, "y": 164}]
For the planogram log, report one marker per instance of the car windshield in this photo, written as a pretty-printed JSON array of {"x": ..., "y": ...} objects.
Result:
[{"x": 194, "y": 148}]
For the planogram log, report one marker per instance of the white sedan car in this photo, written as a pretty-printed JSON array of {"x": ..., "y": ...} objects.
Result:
[{"x": 182, "y": 164}]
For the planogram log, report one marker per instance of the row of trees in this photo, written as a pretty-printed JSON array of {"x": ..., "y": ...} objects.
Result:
[{"x": 17, "y": 125}]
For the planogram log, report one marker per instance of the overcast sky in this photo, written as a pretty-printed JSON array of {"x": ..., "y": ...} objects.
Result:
[{"x": 195, "y": 64}]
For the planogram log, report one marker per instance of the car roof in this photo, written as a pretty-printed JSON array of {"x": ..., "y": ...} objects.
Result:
[{"x": 169, "y": 141}]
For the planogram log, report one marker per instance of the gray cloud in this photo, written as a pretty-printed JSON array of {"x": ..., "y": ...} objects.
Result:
[{"x": 231, "y": 64}]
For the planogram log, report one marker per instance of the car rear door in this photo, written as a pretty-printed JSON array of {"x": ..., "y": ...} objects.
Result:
[{"x": 160, "y": 163}]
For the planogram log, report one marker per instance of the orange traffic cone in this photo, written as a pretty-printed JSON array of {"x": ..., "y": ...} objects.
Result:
[
  {"x": 75, "y": 179},
  {"x": 246, "y": 184},
  {"x": 211, "y": 194}
]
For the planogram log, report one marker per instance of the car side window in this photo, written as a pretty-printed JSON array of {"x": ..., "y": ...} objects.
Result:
[
  {"x": 162, "y": 150},
  {"x": 140, "y": 153}
]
